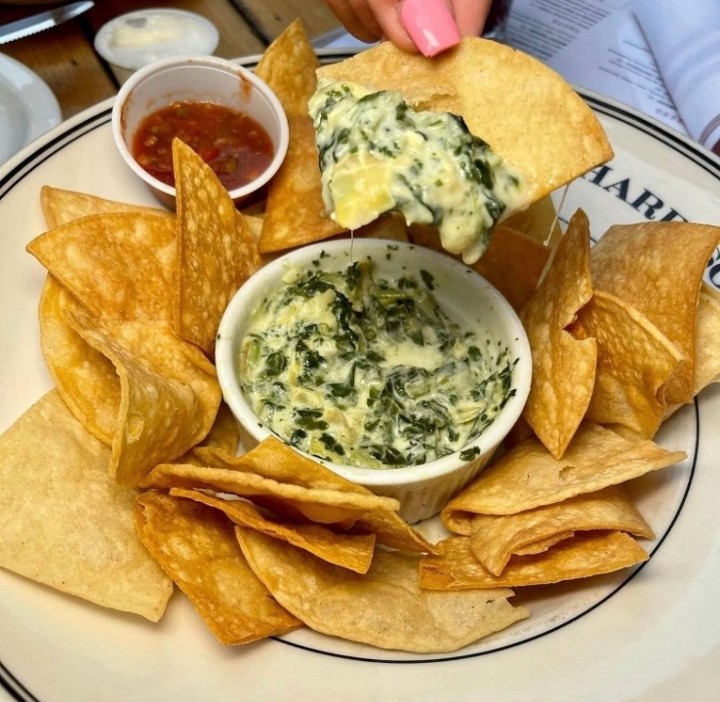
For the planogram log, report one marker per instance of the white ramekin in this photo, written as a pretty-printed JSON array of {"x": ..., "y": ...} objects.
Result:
[
  {"x": 422, "y": 490},
  {"x": 197, "y": 78}
]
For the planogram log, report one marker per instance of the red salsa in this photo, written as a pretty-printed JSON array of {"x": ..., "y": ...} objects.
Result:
[{"x": 233, "y": 144}]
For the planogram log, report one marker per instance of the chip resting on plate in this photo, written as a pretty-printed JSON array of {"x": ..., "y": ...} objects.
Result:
[
  {"x": 384, "y": 608},
  {"x": 274, "y": 460},
  {"x": 581, "y": 556},
  {"x": 120, "y": 265},
  {"x": 321, "y": 505},
  {"x": 496, "y": 538},
  {"x": 168, "y": 394},
  {"x": 563, "y": 366},
  {"x": 197, "y": 548},
  {"x": 61, "y": 206},
  {"x": 635, "y": 362},
  {"x": 707, "y": 339},
  {"x": 527, "y": 476},
  {"x": 65, "y": 523},
  {"x": 352, "y": 551},
  {"x": 658, "y": 267},
  {"x": 85, "y": 378}
]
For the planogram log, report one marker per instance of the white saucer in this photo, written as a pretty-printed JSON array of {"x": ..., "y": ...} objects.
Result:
[
  {"x": 137, "y": 38},
  {"x": 28, "y": 108}
]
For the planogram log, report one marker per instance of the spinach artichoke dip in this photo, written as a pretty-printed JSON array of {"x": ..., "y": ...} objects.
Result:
[
  {"x": 378, "y": 154},
  {"x": 369, "y": 372}
]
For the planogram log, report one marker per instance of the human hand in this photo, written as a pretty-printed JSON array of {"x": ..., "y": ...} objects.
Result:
[{"x": 428, "y": 26}]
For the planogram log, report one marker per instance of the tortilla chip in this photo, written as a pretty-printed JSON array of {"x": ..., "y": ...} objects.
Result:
[
  {"x": 526, "y": 112},
  {"x": 390, "y": 226},
  {"x": 707, "y": 339},
  {"x": 512, "y": 263},
  {"x": 580, "y": 557},
  {"x": 542, "y": 545},
  {"x": 196, "y": 546},
  {"x": 539, "y": 221},
  {"x": 384, "y": 608},
  {"x": 288, "y": 66},
  {"x": 65, "y": 523},
  {"x": 118, "y": 265},
  {"x": 274, "y": 460},
  {"x": 62, "y": 206},
  {"x": 635, "y": 362},
  {"x": 527, "y": 476},
  {"x": 354, "y": 552},
  {"x": 224, "y": 435},
  {"x": 216, "y": 252},
  {"x": 84, "y": 377},
  {"x": 324, "y": 506},
  {"x": 496, "y": 538},
  {"x": 563, "y": 366},
  {"x": 169, "y": 394},
  {"x": 295, "y": 211},
  {"x": 658, "y": 267}
]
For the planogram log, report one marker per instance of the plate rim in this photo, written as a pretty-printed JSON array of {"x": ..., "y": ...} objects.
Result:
[{"x": 48, "y": 102}]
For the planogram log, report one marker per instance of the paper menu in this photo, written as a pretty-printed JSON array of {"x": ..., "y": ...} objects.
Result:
[
  {"x": 597, "y": 45},
  {"x": 685, "y": 40}
]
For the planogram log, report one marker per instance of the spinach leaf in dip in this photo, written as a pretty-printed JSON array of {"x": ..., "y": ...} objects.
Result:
[
  {"x": 378, "y": 154},
  {"x": 369, "y": 372}
]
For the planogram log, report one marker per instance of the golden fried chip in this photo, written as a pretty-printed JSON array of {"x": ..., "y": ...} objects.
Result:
[
  {"x": 324, "y": 506},
  {"x": 542, "y": 545},
  {"x": 274, "y": 460},
  {"x": 85, "y": 378},
  {"x": 634, "y": 364},
  {"x": 384, "y": 607},
  {"x": 62, "y": 206},
  {"x": 563, "y": 367},
  {"x": 539, "y": 221},
  {"x": 65, "y": 523},
  {"x": 579, "y": 557},
  {"x": 512, "y": 262},
  {"x": 288, "y": 66},
  {"x": 169, "y": 394},
  {"x": 527, "y": 476},
  {"x": 707, "y": 339},
  {"x": 196, "y": 547},
  {"x": 295, "y": 211},
  {"x": 526, "y": 112},
  {"x": 224, "y": 435},
  {"x": 390, "y": 226},
  {"x": 354, "y": 552},
  {"x": 658, "y": 267},
  {"x": 119, "y": 265},
  {"x": 496, "y": 538},
  {"x": 216, "y": 252}
]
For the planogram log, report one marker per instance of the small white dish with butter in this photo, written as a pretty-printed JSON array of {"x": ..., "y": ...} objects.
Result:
[{"x": 135, "y": 39}]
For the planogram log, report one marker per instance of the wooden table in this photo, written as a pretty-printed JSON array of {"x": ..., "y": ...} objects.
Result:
[{"x": 65, "y": 59}]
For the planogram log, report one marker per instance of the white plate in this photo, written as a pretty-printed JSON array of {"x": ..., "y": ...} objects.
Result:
[
  {"x": 649, "y": 635},
  {"x": 28, "y": 108}
]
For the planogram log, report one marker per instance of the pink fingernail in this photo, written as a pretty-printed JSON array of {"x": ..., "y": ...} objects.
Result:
[{"x": 430, "y": 25}]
